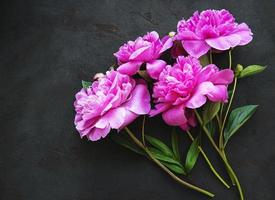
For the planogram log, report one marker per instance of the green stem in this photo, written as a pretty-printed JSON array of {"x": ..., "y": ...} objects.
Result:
[
  {"x": 208, "y": 162},
  {"x": 171, "y": 174},
  {"x": 221, "y": 144},
  {"x": 222, "y": 156},
  {"x": 142, "y": 130},
  {"x": 230, "y": 58},
  {"x": 221, "y": 110},
  {"x": 210, "y": 57},
  {"x": 227, "y": 112}
]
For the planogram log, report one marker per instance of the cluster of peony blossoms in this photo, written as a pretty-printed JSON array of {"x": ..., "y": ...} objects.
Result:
[
  {"x": 179, "y": 86},
  {"x": 112, "y": 101}
]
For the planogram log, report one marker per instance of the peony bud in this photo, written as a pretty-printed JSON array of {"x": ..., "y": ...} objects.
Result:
[{"x": 238, "y": 69}]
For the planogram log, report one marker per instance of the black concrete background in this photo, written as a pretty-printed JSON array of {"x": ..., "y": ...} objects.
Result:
[{"x": 48, "y": 47}]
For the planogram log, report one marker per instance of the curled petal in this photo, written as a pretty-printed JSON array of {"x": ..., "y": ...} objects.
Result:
[
  {"x": 198, "y": 98},
  {"x": 154, "y": 68},
  {"x": 186, "y": 35},
  {"x": 129, "y": 68},
  {"x": 196, "y": 48},
  {"x": 113, "y": 118},
  {"x": 207, "y": 72},
  {"x": 128, "y": 119},
  {"x": 175, "y": 116},
  {"x": 167, "y": 43},
  {"x": 159, "y": 108},
  {"x": 98, "y": 133},
  {"x": 224, "y": 42},
  {"x": 139, "y": 102},
  {"x": 141, "y": 53},
  {"x": 245, "y": 33},
  {"x": 223, "y": 77},
  {"x": 218, "y": 94}
]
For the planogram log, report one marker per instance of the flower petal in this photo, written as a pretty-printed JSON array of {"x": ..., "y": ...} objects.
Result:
[
  {"x": 139, "y": 102},
  {"x": 224, "y": 42},
  {"x": 186, "y": 35},
  {"x": 223, "y": 77},
  {"x": 196, "y": 48},
  {"x": 128, "y": 119},
  {"x": 140, "y": 54},
  {"x": 207, "y": 72},
  {"x": 245, "y": 33},
  {"x": 129, "y": 68},
  {"x": 98, "y": 133},
  {"x": 198, "y": 98},
  {"x": 159, "y": 108},
  {"x": 113, "y": 118},
  {"x": 167, "y": 43},
  {"x": 154, "y": 68},
  {"x": 218, "y": 94},
  {"x": 175, "y": 116}
]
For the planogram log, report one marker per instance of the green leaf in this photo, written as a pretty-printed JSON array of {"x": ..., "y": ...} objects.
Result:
[
  {"x": 251, "y": 70},
  {"x": 159, "y": 145},
  {"x": 192, "y": 155},
  {"x": 209, "y": 111},
  {"x": 160, "y": 156},
  {"x": 127, "y": 144},
  {"x": 86, "y": 84},
  {"x": 175, "y": 168},
  {"x": 236, "y": 119},
  {"x": 204, "y": 60},
  {"x": 175, "y": 144},
  {"x": 211, "y": 126}
]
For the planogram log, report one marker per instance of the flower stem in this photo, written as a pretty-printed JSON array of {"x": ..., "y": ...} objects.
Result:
[
  {"x": 171, "y": 174},
  {"x": 210, "y": 57},
  {"x": 230, "y": 66},
  {"x": 142, "y": 130},
  {"x": 208, "y": 162},
  {"x": 227, "y": 111},
  {"x": 230, "y": 58},
  {"x": 222, "y": 156}
]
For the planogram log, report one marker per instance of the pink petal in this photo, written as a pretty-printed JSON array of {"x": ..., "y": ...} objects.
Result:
[
  {"x": 139, "y": 102},
  {"x": 159, "y": 108},
  {"x": 198, "y": 98},
  {"x": 187, "y": 35},
  {"x": 151, "y": 36},
  {"x": 175, "y": 116},
  {"x": 245, "y": 33},
  {"x": 98, "y": 133},
  {"x": 218, "y": 94},
  {"x": 128, "y": 119},
  {"x": 113, "y": 118},
  {"x": 141, "y": 53},
  {"x": 224, "y": 42},
  {"x": 207, "y": 72},
  {"x": 167, "y": 43},
  {"x": 196, "y": 48},
  {"x": 223, "y": 77},
  {"x": 129, "y": 68},
  {"x": 154, "y": 68},
  {"x": 84, "y": 124}
]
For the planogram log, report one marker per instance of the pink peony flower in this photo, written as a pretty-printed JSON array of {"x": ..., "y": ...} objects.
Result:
[
  {"x": 212, "y": 29},
  {"x": 146, "y": 49},
  {"x": 187, "y": 85},
  {"x": 111, "y": 102}
]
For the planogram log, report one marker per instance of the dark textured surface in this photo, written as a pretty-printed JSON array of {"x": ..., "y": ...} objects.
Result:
[{"x": 47, "y": 47}]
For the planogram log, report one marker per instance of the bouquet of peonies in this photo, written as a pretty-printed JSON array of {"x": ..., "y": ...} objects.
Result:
[{"x": 174, "y": 76}]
